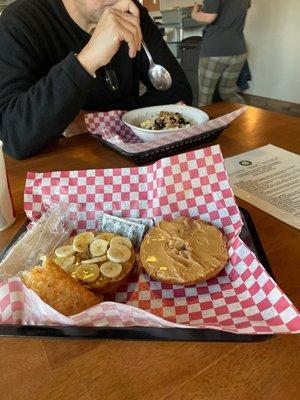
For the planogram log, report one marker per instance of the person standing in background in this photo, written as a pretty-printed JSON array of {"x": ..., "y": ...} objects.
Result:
[{"x": 223, "y": 50}]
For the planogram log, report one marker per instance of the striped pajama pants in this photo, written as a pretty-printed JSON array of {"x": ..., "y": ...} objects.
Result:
[{"x": 222, "y": 70}]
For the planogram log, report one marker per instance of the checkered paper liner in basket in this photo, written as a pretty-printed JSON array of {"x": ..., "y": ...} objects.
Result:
[
  {"x": 110, "y": 127},
  {"x": 243, "y": 298}
]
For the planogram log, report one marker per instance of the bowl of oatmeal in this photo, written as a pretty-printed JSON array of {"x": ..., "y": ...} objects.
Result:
[{"x": 151, "y": 123}]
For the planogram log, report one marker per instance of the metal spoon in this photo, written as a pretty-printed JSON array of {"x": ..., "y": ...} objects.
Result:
[{"x": 158, "y": 75}]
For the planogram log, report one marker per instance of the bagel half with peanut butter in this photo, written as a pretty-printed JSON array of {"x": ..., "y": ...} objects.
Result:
[
  {"x": 99, "y": 261},
  {"x": 183, "y": 251}
]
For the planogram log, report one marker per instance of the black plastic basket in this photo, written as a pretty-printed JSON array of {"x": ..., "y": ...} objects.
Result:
[{"x": 166, "y": 150}]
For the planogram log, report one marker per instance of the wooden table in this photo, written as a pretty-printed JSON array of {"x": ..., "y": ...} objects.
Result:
[{"x": 99, "y": 369}]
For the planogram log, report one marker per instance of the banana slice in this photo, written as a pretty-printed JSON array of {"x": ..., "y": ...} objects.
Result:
[
  {"x": 111, "y": 269},
  {"x": 118, "y": 253},
  {"x": 64, "y": 262},
  {"x": 64, "y": 251},
  {"x": 98, "y": 247},
  {"x": 87, "y": 273},
  {"x": 94, "y": 260},
  {"x": 81, "y": 242},
  {"x": 105, "y": 236},
  {"x": 124, "y": 241},
  {"x": 70, "y": 269}
]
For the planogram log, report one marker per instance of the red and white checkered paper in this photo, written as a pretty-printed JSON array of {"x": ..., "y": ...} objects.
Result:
[
  {"x": 243, "y": 298},
  {"x": 110, "y": 127}
]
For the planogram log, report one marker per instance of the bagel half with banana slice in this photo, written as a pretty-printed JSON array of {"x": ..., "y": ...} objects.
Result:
[{"x": 100, "y": 261}]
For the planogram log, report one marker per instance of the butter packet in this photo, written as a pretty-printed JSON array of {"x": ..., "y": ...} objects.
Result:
[
  {"x": 132, "y": 228},
  {"x": 149, "y": 223}
]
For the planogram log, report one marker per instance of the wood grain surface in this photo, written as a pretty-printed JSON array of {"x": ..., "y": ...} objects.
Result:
[{"x": 116, "y": 370}]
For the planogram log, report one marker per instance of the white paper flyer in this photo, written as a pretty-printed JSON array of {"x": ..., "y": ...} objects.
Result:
[{"x": 268, "y": 178}]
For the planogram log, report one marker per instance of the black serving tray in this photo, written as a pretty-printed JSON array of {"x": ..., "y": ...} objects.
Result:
[
  {"x": 248, "y": 235},
  {"x": 166, "y": 150}
]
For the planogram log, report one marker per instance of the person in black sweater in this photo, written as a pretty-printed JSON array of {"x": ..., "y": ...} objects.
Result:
[{"x": 56, "y": 58}]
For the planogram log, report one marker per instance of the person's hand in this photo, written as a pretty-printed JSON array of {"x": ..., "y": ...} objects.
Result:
[
  {"x": 76, "y": 127},
  {"x": 197, "y": 7},
  {"x": 118, "y": 23}
]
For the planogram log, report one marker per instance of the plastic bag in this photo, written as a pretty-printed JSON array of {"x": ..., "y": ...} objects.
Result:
[{"x": 49, "y": 232}]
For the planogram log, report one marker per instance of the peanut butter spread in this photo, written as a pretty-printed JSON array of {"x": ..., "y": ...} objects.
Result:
[{"x": 183, "y": 251}]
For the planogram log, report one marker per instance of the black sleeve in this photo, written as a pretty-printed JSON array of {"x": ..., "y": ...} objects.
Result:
[
  {"x": 211, "y": 6},
  {"x": 161, "y": 54},
  {"x": 35, "y": 109}
]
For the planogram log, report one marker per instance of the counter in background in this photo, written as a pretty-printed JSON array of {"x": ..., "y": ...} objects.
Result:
[{"x": 178, "y": 25}]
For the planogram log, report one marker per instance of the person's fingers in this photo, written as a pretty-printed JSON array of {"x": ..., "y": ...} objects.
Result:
[
  {"x": 114, "y": 27},
  {"x": 124, "y": 34},
  {"x": 134, "y": 22},
  {"x": 131, "y": 24},
  {"x": 127, "y": 6}
]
